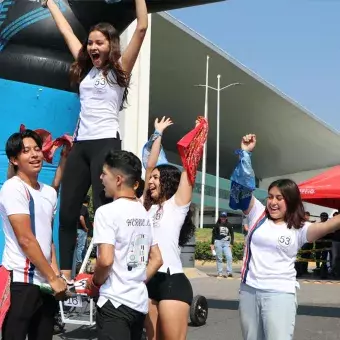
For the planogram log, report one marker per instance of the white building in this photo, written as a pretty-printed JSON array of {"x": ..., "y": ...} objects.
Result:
[{"x": 292, "y": 142}]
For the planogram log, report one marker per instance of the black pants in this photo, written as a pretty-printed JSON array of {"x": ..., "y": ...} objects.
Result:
[
  {"x": 83, "y": 167},
  {"x": 122, "y": 323},
  {"x": 31, "y": 313}
]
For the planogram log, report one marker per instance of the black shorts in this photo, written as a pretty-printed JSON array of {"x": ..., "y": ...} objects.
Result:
[
  {"x": 122, "y": 323},
  {"x": 31, "y": 313},
  {"x": 164, "y": 286}
]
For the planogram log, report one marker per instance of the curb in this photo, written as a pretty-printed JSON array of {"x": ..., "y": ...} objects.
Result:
[{"x": 193, "y": 273}]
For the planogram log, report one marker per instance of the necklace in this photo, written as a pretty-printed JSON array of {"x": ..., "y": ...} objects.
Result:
[{"x": 126, "y": 197}]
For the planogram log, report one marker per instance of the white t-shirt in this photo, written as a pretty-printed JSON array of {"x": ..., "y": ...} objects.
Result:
[
  {"x": 167, "y": 222},
  {"x": 100, "y": 103},
  {"x": 270, "y": 263},
  {"x": 16, "y": 197},
  {"x": 125, "y": 224}
]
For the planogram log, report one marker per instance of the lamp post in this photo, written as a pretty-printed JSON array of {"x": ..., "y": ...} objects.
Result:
[
  {"x": 218, "y": 90},
  {"x": 204, "y": 162}
]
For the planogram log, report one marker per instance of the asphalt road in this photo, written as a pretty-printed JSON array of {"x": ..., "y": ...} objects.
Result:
[{"x": 318, "y": 314}]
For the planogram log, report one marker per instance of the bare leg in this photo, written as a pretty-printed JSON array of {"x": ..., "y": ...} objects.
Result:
[
  {"x": 151, "y": 321},
  {"x": 173, "y": 317}
]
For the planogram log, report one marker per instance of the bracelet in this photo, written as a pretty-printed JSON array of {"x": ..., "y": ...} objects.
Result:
[{"x": 93, "y": 284}]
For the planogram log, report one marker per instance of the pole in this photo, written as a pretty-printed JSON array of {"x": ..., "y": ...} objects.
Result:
[
  {"x": 204, "y": 163},
  {"x": 218, "y": 149}
]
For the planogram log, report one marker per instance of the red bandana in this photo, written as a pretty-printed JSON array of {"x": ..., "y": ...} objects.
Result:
[
  {"x": 49, "y": 145},
  {"x": 190, "y": 147}
]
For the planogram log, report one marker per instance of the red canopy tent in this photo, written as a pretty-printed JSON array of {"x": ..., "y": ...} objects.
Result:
[{"x": 323, "y": 189}]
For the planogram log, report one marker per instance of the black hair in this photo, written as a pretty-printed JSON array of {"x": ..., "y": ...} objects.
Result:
[
  {"x": 87, "y": 199},
  {"x": 295, "y": 213},
  {"x": 140, "y": 189},
  {"x": 128, "y": 163},
  {"x": 169, "y": 178},
  {"x": 15, "y": 143}
]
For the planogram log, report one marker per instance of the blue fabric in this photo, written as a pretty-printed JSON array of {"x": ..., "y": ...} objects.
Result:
[
  {"x": 242, "y": 182},
  {"x": 147, "y": 149}
]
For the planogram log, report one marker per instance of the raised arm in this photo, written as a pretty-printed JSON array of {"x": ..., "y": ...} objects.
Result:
[
  {"x": 64, "y": 27},
  {"x": 184, "y": 192},
  {"x": 318, "y": 230},
  {"x": 160, "y": 126},
  {"x": 248, "y": 144},
  {"x": 131, "y": 52}
]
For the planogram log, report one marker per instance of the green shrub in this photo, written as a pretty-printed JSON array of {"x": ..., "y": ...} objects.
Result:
[{"x": 203, "y": 251}]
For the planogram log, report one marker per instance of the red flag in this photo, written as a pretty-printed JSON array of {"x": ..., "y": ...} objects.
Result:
[{"x": 190, "y": 147}]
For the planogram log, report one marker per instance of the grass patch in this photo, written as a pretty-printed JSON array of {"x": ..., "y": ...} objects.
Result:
[{"x": 204, "y": 235}]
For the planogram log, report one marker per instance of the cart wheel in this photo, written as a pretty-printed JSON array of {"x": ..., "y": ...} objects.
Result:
[{"x": 199, "y": 310}]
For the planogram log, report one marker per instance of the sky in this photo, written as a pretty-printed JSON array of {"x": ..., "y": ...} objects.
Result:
[{"x": 293, "y": 44}]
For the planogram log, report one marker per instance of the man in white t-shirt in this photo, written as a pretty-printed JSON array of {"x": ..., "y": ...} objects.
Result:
[
  {"x": 128, "y": 255},
  {"x": 27, "y": 208}
]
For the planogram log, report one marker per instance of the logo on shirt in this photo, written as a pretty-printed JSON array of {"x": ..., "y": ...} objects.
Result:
[
  {"x": 138, "y": 252},
  {"x": 138, "y": 222},
  {"x": 224, "y": 232},
  {"x": 156, "y": 219}
]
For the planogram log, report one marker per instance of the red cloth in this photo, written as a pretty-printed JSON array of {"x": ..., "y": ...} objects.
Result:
[
  {"x": 5, "y": 293},
  {"x": 190, "y": 148},
  {"x": 90, "y": 289},
  {"x": 323, "y": 189},
  {"x": 50, "y": 145}
]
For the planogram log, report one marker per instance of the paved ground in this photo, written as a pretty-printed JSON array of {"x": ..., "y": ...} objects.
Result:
[{"x": 318, "y": 314}]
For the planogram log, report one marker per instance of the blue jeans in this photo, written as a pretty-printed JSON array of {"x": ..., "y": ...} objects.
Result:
[
  {"x": 223, "y": 248},
  {"x": 265, "y": 315},
  {"x": 81, "y": 242}
]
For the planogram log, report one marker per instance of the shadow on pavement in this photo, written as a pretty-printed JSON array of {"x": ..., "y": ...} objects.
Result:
[
  {"x": 81, "y": 333},
  {"x": 311, "y": 310}
]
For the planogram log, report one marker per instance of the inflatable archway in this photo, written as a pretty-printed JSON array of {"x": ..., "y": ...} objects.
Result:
[{"x": 34, "y": 64}]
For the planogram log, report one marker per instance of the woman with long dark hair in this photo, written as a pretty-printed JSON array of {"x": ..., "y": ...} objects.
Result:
[
  {"x": 277, "y": 231},
  {"x": 167, "y": 197},
  {"x": 102, "y": 75}
]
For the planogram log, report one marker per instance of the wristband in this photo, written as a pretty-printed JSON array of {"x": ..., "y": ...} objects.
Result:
[
  {"x": 93, "y": 284},
  {"x": 44, "y": 3},
  {"x": 157, "y": 133}
]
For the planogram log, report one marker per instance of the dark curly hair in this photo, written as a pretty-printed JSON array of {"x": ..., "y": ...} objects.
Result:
[
  {"x": 83, "y": 64},
  {"x": 127, "y": 162},
  {"x": 169, "y": 178}
]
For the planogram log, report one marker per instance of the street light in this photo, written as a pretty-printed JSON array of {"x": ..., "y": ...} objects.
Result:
[
  {"x": 204, "y": 162},
  {"x": 218, "y": 90}
]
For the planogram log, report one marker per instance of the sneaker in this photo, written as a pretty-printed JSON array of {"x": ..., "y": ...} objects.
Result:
[
  {"x": 229, "y": 275},
  {"x": 219, "y": 276}
]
